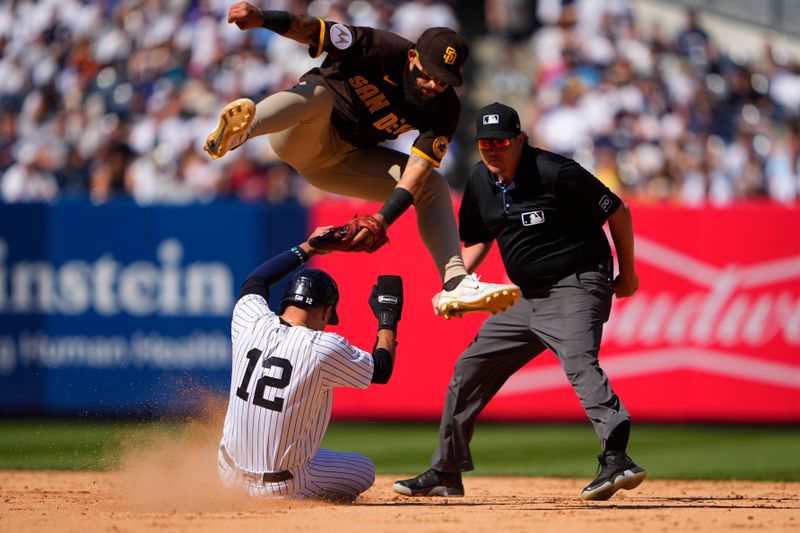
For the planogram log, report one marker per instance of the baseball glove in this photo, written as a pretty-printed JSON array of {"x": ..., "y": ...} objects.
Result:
[{"x": 340, "y": 238}]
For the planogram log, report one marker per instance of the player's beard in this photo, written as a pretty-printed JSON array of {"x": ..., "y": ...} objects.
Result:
[{"x": 415, "y": 97}]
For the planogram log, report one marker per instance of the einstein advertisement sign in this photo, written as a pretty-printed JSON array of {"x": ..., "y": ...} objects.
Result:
[{"x": 119, "y": 310}]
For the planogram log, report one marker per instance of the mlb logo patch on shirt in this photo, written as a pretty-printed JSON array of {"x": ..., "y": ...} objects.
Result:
[
  {"x": 531, "y": 218},
  {"x": 491, "y": 119},
  {"x": 605, "y": 203}
]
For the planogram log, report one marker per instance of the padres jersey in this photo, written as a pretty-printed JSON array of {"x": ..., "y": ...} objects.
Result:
[
  {"x": 365, "y": 69},
  {"x": 282, "y": 381}
]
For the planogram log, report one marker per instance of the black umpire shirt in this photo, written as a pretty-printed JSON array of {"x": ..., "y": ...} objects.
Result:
[{"x": 548, "y": 223}]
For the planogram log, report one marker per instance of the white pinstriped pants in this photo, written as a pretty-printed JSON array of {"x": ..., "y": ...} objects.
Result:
[{"x": 330, "y": 475}]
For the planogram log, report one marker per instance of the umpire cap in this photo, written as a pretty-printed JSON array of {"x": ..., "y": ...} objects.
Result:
[
  {"x": 497, "y": 121},
  {"x": 313, "y": 288}
]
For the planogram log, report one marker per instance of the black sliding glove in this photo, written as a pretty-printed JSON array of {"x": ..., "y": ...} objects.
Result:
[{"x": 386, "y": 301}]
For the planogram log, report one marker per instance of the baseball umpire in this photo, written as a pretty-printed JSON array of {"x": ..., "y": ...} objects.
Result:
[
  {"x": 283, "y": 374},
  {"x": 546, "y": 214},
  {"x": 372, "y": 86}
]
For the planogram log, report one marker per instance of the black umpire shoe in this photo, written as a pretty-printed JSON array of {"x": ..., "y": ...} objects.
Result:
[
  {"x": 431, "y": 483},
  {"x": 616, "y": 471}
]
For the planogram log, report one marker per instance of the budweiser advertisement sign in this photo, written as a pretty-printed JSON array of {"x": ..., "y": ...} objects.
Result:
[{"x": 712, "y": 335}]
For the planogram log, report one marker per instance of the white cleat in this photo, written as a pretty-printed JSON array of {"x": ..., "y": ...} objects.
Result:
[
  {"x": 474, "y": 296},
  {"x": 233, "y": 128}
]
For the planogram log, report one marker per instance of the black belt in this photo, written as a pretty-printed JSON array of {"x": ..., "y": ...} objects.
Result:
[
  {"x": 606, "y": 266},
  {"x": 266, "y": 477}
]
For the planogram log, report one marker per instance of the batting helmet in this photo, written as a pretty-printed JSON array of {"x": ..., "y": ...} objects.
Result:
[{"x": 313, "y": 288}]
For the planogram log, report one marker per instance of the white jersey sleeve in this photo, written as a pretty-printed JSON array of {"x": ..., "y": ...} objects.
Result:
[
  {"x": 342, "y": 364},
  {"x": 249, "y": 309}
]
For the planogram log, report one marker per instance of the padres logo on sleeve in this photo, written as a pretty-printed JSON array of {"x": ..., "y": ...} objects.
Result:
[{"x": 440, "y": 145}]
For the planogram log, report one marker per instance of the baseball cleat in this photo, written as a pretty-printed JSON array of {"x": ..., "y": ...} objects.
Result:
[
  {"x": 431, "y": 483},
  {"x": 233, "y": 128},
  {"x": 472, "y": 295},
  {"x": 617, "y": 471}
]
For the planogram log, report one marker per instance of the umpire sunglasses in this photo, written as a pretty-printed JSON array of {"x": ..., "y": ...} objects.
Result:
[{"x": 485, "y": 144}]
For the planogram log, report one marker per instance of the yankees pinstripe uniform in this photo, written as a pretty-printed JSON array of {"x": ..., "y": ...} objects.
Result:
[{"x": 281, "y": 395}]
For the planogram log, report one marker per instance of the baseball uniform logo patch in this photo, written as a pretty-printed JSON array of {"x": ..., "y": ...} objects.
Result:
[
  {"x": 532, "y": 218},
  {"x": 605, "y": 203},
  {"x": 491, "y": 119},
  {"x": 440, "y": 146},
  {"x": 341, "y": 36}
]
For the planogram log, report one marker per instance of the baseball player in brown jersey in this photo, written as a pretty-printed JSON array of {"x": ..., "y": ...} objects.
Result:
[{"x": 372, "y": 86}]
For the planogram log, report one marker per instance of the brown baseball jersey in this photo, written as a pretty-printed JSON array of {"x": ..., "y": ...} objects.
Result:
[{"x": 365, "y": 69}]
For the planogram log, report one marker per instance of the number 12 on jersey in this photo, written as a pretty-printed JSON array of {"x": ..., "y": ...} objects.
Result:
[{"x": 253, "y": 356}]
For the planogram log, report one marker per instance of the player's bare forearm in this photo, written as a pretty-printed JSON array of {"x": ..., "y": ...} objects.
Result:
[
  {"x": 474, "y": 253},
  {"x": 620, "y": 224},
  {"x": 408, "y": 188},
  {"x": 416, "y": 173},
  {"x": 301, "y": 28},
  {"x": 387, "y": 341}
]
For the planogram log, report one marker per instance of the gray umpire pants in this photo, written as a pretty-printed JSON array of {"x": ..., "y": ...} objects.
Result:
[{"x": 568, "y": 319}]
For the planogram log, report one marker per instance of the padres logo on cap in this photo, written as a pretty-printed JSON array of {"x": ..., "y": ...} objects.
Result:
[
  {"x": 450, "y": 55},
  {"x": 440, "y": 146}
]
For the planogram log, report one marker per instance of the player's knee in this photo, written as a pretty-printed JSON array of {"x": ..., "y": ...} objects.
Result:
[
  {"x": 468, "y": 367},
  {"x": 282, "y": 146},
  {"x": 582, "y": 366},
  {"x": 360, "y": 478},
  {"x": 369, "y": 470}
]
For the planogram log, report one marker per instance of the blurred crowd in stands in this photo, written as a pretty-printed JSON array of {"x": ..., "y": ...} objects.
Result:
[{"x": 113, "y": 98}]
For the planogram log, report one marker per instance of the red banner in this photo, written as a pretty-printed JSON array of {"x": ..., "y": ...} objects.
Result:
[{"x": 712, "y": 335}]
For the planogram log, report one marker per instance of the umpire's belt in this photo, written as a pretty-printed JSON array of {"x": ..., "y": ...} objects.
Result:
[{"x": 266, "y": 477}]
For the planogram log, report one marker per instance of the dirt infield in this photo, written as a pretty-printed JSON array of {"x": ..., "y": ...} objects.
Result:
[
  {"x": 171, "y": 485},
  {"x": 105, "y": 501}
]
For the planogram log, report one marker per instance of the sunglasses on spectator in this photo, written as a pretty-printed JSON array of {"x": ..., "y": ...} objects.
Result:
[{"x": 485, "y": 144}]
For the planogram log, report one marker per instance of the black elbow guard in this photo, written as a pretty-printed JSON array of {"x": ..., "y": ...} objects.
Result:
[{"x": 383, "y": 366}]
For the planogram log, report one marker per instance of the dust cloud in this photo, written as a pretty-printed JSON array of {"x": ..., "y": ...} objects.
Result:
[{"x": 177, "y": 471}]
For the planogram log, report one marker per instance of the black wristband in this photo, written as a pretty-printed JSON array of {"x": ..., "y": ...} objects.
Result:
[
  {"x": 300, "y": 254},
  {"x": 277, "y": 21},
  {"x": 396, "y": 205},
  {"x": 388, "y": 320}
]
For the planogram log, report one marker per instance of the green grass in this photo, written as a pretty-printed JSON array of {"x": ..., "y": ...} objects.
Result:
[
  {"x": 70, "y": 445},
  {"x": 668, "y": 452}
]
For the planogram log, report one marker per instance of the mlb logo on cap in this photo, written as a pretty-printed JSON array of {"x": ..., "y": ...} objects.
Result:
[{"x": 496, "y": 121}]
